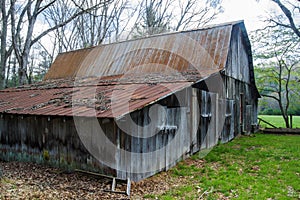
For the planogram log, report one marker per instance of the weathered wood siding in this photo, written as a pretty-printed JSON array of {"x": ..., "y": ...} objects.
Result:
[
  {"x": 239, "y": 58},
  {"x": 244, "y": 104},
  {"x": 160, "y": 130},
  {"x": 48, "y": 140},
  {"x": 192, "y": 114},
  {"x": 195, "y": 113},
  {"x": 240, "y": 85}
]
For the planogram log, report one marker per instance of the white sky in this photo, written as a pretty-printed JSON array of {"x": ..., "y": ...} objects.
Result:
[{"x": 248, "y": 10}]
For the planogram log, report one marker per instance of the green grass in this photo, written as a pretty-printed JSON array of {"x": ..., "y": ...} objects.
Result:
[
  {"x": 259, "y": 167},
  {"x": 278, "y": 121}
]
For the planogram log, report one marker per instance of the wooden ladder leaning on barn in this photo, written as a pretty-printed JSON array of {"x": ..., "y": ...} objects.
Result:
[{"x": 113, "y": 183}]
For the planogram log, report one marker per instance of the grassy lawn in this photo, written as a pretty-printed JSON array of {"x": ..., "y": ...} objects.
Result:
[
  {"x": 250, "y": 167},
  {"x": 278, "y": 121}
]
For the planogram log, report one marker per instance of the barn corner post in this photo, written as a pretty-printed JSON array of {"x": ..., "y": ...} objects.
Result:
[{"x": 138, "y": 109}]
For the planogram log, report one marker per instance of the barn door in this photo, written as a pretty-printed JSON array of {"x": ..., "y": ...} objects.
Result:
[
  {"x": 228, "y": 128},
  {"x": 242, "y": 112},
  {"x": 174, "y": 135},
  {"x": 195, "y": 120},
  {"x": 248, "y": 122}
]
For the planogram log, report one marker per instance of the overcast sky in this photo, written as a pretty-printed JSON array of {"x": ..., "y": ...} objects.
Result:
[{"x": 249, "y": 10}]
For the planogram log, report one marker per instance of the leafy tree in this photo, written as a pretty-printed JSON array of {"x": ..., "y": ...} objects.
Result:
[{"x": 277, "y": 70}]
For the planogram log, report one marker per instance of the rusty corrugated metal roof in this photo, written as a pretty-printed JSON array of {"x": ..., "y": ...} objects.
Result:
[
  {"x": 87, "y": 98},
  {"x": 182, "y": 51},
  {"x": 115, "y": 79}
]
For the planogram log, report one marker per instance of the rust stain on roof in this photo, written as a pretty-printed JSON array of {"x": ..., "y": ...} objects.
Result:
[
  {"x": 67, "y": 64},
  {"x": 183, "y": 51},
  {"x": 87, "y": 100}
]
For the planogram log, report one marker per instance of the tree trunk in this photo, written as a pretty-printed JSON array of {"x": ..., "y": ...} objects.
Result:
[
  {"x": 286, "y": 120},
  {"x": 280, "y": 94},
  {"x": 14, "y": 75},
  {"x": 28, "y": 42},
  {"x": 8, "y": 72},
  {"x": 3, "y": 57}
]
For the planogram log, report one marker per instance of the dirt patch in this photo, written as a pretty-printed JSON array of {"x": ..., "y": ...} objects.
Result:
[{"x": 33, "y": 181}]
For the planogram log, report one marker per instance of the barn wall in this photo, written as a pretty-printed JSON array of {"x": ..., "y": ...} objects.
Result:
[
  {"x": 243, "y": 105},
  {"x": 55, "y": 140},
  {"x": 241, "y": 93},
  {"x": 207, "y": 126},
  {"x": 184, "y": 123},
  {"x": 235, "y": 106},
  {"x": 198, "y": 114},
  {"x": 161, "y": 131},
  {"x": 47, "y": 140},
  {"x": 238, "y": 57},
  {"x": 196, "y": 117}
]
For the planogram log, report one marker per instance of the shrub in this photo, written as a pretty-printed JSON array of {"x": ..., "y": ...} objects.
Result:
[{"x": 270, "y": 111}]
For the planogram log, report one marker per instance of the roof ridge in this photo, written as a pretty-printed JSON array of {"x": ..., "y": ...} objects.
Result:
[{"x": 211, "y": 26}]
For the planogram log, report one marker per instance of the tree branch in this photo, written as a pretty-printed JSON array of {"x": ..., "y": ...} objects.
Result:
[
  {"x": 62, "y": 23},
  {"x": 288, "y": 14},
  {"x": 46, "y": 6},
  {"x": 270, "y": 96}
]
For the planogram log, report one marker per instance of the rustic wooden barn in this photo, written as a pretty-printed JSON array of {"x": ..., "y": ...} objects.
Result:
[{"x": 155, "y": 100}]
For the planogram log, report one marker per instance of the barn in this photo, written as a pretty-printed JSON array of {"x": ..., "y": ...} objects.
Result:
[{"x": 134, "y": 108}]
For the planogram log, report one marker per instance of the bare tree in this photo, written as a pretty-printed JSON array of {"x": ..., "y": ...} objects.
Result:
[
  {"x": 288, "y": 19},
  {"x": 57, "y": 14},
  {"x": 122, "y": 19},
  {"x": 5, "y": 48},
  {"x": 154, "y": 17},
  {"x": 290, "y": 15},
  {"x": 3, "y": 35},
  {"x": 24, "y": 18},
  {"x": 195, "y": 14},
  {"x": 92, "y": 28},
  {"x": 89, "y": 29},
  {"x": 173, "y": 15}
]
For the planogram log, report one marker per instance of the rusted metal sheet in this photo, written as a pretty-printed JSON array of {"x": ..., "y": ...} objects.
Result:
[
  {"x": 70, "y": 59},
  {"x": 100, "y": 99},
  {"x": 195, "y": 50}
]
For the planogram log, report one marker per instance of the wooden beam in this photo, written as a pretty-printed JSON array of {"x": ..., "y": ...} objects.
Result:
[{"x": 260, "y": 119}]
